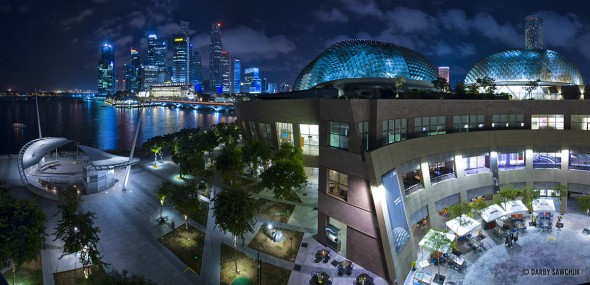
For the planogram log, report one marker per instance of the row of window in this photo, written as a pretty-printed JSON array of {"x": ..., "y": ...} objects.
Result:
[{"x": 396, "y": 130}]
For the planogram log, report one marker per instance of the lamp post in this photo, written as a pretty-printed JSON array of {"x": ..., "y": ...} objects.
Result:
[{"x": 587, "y": 216}]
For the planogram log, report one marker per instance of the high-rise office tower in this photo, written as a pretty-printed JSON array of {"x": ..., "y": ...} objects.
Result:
[
  {"x": 156, "y": 51},
  {"x": 151, "y": 75},
  {"x": 252, "y": 80},
  {"x": 180, "y": 59},
  {"x": 215, "y": 49},
  {"x": 444, "y": 72},
  {"x": 225, "y": 72},
  {"x": 533, "y": 32},
  {"x": 106, "y": 71},
  {"x": 237, "y": 72},
  {"x": 134, "y": 73},
  {"x": 196, "y": 69}
]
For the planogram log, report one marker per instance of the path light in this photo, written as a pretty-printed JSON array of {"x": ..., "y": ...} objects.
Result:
[{"x": 270, "y": 226}]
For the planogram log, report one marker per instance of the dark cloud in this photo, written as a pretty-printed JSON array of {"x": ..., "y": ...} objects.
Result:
[
  {"x": 332, "y": 15},
  {"x": 506, "y": 33},
  {"x": 66, "y": 23},
  {"x": 363, "y": 8}
]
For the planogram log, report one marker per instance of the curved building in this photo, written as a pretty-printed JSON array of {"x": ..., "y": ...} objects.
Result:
[
  {"x": 353, "y": 61},
  {"x": 513, "y": 69}
]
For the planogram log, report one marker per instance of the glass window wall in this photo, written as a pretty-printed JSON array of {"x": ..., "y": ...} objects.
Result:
[
  {"x": 364, "y": 133},
  {"x": 547, "y": 122},
  {"x": 511, "y": 160},
  {"x": 440, "y": 171},
  {"x": 468, "y": 123},
  {"x": 429, "y": 126},
  {"x": 508, "y": 121},
  {"x": 310, "y": 138},
  {"x": 266, "y": 134},
  {"x": 581, "y": 122},
  {"x": 394, "y": 130},
  {"x": 339, "y": 135},
  {"x": 338, "y": 184},
  {"x": 477, "y": 164},
  {"x": 285, "y": 133},
  {"x": 543, "y": 159}
]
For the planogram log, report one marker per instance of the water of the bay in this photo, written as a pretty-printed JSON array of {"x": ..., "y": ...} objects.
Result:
[{"x": 93, "y": 123}]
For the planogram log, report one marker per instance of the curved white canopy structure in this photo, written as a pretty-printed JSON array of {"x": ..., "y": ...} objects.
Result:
[
  {"x": 462, "y": 225},
  {"x": 104, "y": 160},
  {"x": 515, "y": 206},
  {"x": 35, "y": 150},
  {"x": 492, "y": 212},
  {"x": 543, "y": 205}
]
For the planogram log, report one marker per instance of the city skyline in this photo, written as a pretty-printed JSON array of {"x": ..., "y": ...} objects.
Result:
[{"x": 63, "y": 42}]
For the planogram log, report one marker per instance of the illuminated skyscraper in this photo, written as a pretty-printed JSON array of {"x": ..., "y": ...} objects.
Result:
[
  {"x": 237, "y": 72},
  {"x": 252, "y": 80},
  {"x": 196, "y": 69},
  {"x": 156, "y": 51},
  {"x": 225, "y": 72},
  {"x": 180, "y": 59},
  {"x": 215, "y": 49},
  {"x": 134, "y": 73},
  {"x": 533, "y": 32},
  {"x": 444, "y": 72},
  {"x": 106, "y": 71}
]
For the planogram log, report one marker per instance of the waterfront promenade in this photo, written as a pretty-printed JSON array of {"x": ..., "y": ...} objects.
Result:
[{"x": 130, "y": 233}]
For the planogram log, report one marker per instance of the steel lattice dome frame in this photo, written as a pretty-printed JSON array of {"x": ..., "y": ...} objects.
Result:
[
  {"x": 519, "y": 66},
  {"x": 365, "y": 59}
]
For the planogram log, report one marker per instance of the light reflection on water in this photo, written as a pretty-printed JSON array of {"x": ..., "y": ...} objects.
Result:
[{"x": 93, "y": 125}]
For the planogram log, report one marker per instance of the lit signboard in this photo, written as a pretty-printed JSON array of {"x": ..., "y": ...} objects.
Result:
[
  {"x": 178, "y": 39},
  {"x": 396, "y": 210}
]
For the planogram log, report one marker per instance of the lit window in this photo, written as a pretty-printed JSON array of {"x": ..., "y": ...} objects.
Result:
[
  {"x": 394, "y": 130},
  {"x": 338, "y": 184},
  {"x": 544, "y": 122},
  {"x": 339, "y": 135}
]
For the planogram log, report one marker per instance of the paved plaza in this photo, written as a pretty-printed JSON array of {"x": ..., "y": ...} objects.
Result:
[
  {"x": 130, "y": 231},
  {"x": 536, "y": 258}
]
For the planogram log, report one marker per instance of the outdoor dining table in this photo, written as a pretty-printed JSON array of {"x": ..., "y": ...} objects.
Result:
[
  {"x": 320, "y": 278},
  {"x": 457, "y": 260},
  {"x": 364, "y": 279}
]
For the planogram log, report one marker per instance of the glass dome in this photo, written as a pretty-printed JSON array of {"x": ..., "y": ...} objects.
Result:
[
  {"x": 523, "y": 65},
  {"x": 365, "y": 59}
]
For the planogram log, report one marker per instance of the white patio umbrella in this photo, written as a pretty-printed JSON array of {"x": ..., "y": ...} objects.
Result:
[
  {"x": 543, "y": 205},
  {"x": 462, "y": 225},
  {"x": 426, "y": 242},
  {"x": 492, "y": 213},
  {"x": 515, "y": 206}
]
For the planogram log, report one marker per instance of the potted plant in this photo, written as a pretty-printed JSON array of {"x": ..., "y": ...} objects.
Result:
[{"x": 413, "y": 265}]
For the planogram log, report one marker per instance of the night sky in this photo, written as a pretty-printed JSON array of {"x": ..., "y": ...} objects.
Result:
[{"x": 55, "y": 44}]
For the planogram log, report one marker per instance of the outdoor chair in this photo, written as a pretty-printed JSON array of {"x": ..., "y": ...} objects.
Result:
[
  {"x": 327, "y": 258},
  {"x": 317, "y": 259}
]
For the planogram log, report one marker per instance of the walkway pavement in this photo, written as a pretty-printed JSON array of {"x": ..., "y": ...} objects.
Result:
[{"x": 129, "y": 238}]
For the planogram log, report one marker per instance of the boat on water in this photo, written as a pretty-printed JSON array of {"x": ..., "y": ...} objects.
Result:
[{"x": 19, "y": 125}]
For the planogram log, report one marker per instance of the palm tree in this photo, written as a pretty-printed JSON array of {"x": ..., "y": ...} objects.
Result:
[
  {"x": 235, "y": 212},
  {"x": 163, "y": 191}
]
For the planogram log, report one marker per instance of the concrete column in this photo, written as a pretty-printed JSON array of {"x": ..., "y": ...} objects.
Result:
[
  {"x": 459, "y": 166},
  {"x": 528, "y": 157},
  {"x": 425, "y": 174}
]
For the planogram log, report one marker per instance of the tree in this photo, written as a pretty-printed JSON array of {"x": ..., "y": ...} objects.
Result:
[
  {"x": 528, "y": 196},
  {"x": 441, "y": 84},
  {"x": 460, "y": 209},
  {"x": 473, "y": 88},
  {"x": 286, "y": 172},
  {"x": 460, "y": 88},
  {"x": 254, "y": 154},
  {"x": 230, "y": 163},
  {"x": 530, "y": 86},
  {"x": 162, "y": 192},
  {"x": 487, "y": 83},
  {"x": 479, "y": 205},
  {"x": 398, "y": 82},
  {"x": 185, "y": 200},
  {"x": 438, "y": 240},
  {"x": 78, "y": 232},
  {"x": 155, "y": 146},
  {"x": 22, "y": 226},
  {"x": 508, "y": 193},
  {"x": 235, "y": 212}
]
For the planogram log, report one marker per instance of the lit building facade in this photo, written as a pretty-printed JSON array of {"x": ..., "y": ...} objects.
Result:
[
  {"x": 225, "y": 72},
  {"x": 237, "y": 76},
  {"x": 444, "y": 72},
  {"x": 180, "y": 59},
  {"x": 157, "y": 50},
  {"x": 513, "y": 69},
  {"x": 215, "y": 58},
  {"x": 106, "y": 71},
  {"x": 533, "y": 32},
  {"x": 252, "y": 82},
  {"x": 171, "y": 90},
  {"x": 196, "y": 69},
  {"x": 345, "y": 61},
  {"x": 134, "y": 73}
]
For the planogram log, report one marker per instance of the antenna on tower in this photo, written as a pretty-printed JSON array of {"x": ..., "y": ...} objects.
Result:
[{"x": 38, "y": 118}]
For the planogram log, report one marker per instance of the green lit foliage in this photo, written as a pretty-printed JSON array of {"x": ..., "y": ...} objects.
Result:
[
  {"x": 286, "y": 172},
  {"x": 255, "y": 154},
  {"x": 230, "y": 163},
  {"x": 22, "y": 226}
]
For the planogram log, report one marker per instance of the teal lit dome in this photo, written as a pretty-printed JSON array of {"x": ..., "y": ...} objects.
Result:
[
  {"x": 519, "y": 66},
  {"x": 365, "y": 59}
]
